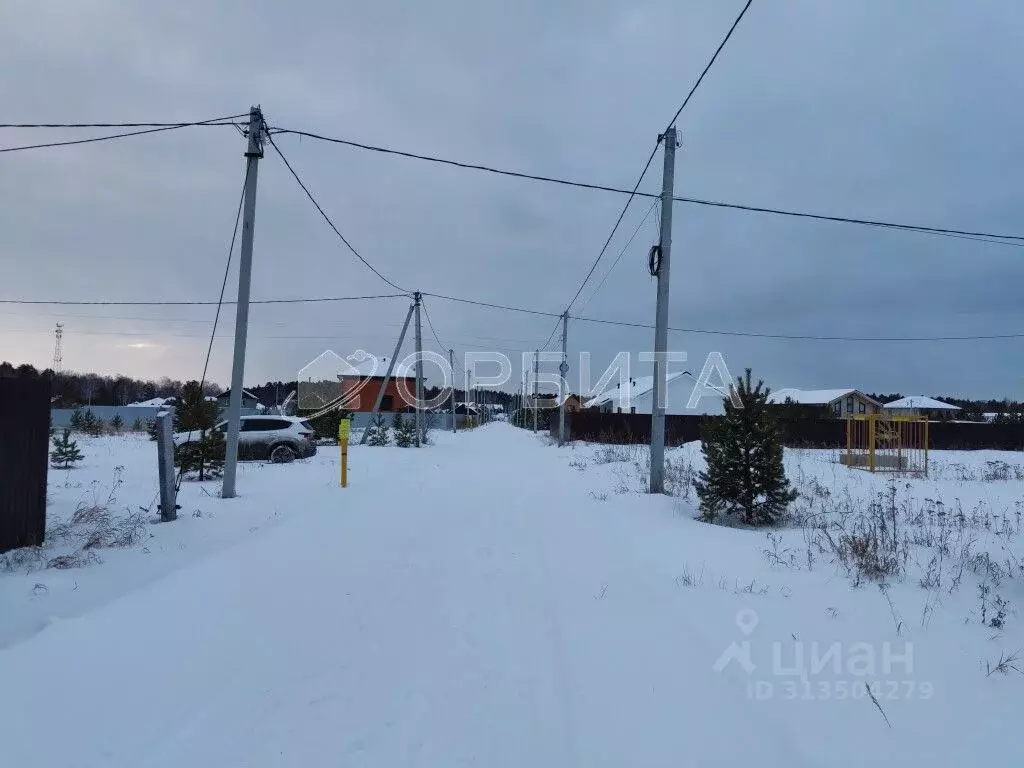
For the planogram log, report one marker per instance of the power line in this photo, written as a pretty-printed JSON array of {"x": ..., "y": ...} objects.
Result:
[
  {"x": 328, "y": 218},
  {"x": 170, "y": 124},
  {"x": 155, "y": 128},
  {"x": 654, "y": 204},
  {"x": 430, "y": 324},
  {"x": 804, "y": 337},
  {"x": 650, "y": 158},
  {"x": 493, "y": 306},
  {"x": 989, "y": 237},
  {"x": 216, "y": 319},
  {"x": 316, "y": 300},
  {"x": 710, "y": 63},
  {"x": 1017, "y": 240}
]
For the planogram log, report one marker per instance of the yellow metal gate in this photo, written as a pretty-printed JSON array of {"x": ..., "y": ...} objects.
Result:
[{"x": 883, "y": 443}]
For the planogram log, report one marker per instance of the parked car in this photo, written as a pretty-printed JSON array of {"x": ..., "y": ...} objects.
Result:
[{"x": 278, "y": 438}]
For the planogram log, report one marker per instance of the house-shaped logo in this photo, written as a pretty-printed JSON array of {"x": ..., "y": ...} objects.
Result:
[{"x": 330, "y": 379}]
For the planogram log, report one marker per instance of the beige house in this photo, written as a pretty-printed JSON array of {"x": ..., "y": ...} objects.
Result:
[{"x": 842, "y": 402}]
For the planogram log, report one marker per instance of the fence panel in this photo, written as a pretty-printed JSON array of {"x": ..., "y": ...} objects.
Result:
[
  {"x": 597, "y": 427},
  {"x": 24, "y": 461}
]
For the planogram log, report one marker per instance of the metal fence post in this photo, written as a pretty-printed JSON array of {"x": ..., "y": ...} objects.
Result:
[{"x": 165, "y": 463}]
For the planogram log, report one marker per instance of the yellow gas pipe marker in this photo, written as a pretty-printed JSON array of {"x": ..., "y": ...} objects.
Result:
[{"x": 344, "y": 429}]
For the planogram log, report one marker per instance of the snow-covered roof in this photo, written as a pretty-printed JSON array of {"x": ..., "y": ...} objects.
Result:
[
  {"x": 156, "y": 402},
  {"x": 812, "y": 396},
  {"x": 226, "y": 395},
  {"x": 621, "y": 397},
  {"x": 921, "y": 402}
]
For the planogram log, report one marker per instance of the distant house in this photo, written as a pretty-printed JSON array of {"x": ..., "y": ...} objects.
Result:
[
  {"x": 361, "y": 386},
  {"x": 919, "y": 405},
  {"x": 637, "y": 396},
  {"x": 250, "y": 403},
  {"x": 840, "y": 402}
]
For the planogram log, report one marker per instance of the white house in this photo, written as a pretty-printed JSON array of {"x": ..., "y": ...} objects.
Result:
[
  {"x": 637, "y": 396},
  {"x": 842, "y": 402},
  {"x": 919, "y": 405}
]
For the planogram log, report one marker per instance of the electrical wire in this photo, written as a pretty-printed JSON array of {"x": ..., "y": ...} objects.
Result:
[
  {"x": 430, "y": 324},
  {"x": 654, "y": 205},
  {"x": 328, "y": 218},
  {"x": 493, "y": 306},
  {"x": 650, "y": 158},
  {"x": 999, "y": 239},
  {"x": 710, "y": 63},
  {"x": 315, "y": 300},
  {"x": 216, "y": 319},
  {"x": 170, "y": 124},
  {"x": 804, "y": 337},
  {"x": 109, "y": 137}
]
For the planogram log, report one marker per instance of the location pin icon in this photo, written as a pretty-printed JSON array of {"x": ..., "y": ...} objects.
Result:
[{"x": 746, "y": 620}]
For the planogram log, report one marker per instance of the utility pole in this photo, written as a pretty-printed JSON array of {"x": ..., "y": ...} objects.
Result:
[
  {"x": 387, "y": 377},
  {"x": 418, "y": 299},
  {"x": 661, "y": 271},
  {"x": 536, "y": 385},
  {"x": 451, "y": 367},
  {"x": 253, "y": 153},
  {"x": 563, "y": 368}
]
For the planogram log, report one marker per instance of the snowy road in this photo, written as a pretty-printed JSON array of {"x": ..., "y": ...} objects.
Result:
[
  {"x": 479, "y": 602},
  {"x": 439, "y": 616}
]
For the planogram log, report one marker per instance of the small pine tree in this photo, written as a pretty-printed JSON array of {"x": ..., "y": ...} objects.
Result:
[
  {"x": 378, "y": 433},
  {"x": 151, "y": 430},
  {"x": 744, "y": 460},
  {"x": 65, "y": 451},
  {"x": 204, "y": 457},
  {"x": 194, "y": 411},
  {"x": 405, "y": 431},
  {"x": 92, "y": 424},
  {"x": 117, "y": 424},
  {"x": 137, "y": 425},
  {"x": 78, "y": 420}
]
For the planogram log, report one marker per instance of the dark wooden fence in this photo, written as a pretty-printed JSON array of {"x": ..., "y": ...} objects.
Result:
[
  {"x": 597, "y": 427},
  {"x": 24, "y": 459}
]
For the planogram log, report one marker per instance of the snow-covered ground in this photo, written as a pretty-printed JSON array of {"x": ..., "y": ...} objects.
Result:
[{"x": 493, "y": 600}]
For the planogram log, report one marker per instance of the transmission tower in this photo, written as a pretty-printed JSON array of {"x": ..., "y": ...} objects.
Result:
[{"x": 58, "y": 348}]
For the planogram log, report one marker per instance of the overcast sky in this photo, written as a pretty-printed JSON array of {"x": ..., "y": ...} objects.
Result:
[{"x": 903, "y": 111}]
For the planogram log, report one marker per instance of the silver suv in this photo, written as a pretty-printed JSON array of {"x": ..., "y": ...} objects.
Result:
[{"x": 278, "y": 438}]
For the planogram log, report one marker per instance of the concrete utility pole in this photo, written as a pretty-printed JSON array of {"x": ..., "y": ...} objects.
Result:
[
  {"x": 536, "y": 385},
  {"x": 451, "y": 367},
  {"x": 661, "y": 316},
  {"x": 387, "y": 376},
  {"x": 418, "y": 300},
  {"x": 563, "y": 368},
  {"x": 253, "y": 153},
  {"x": 165, "y": 465}
]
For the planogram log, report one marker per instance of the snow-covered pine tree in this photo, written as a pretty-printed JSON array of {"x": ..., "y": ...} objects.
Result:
[
  {"x": 743, "y": 452},
  {"x": 65, "y": 451},
  {"x": 151, "y": 429},
  {"x": 405, "y": 431},
  {"x": 116, "y": 424},
  {"x": 78, "y": 420},
  {"x": 378, "y": 433},
  {"x": 137, "y": 425},
  {"x": 92, "y": 424}
]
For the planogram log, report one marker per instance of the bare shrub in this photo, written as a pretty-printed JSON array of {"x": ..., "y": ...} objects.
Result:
[
  {"x": 75, "y": 560},
  {"x": 1006, "y": 664},
  {"x": 679, "y": 476},
  {"x": 689, "y": 577},
  {"x": 23, "y": 559}
]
